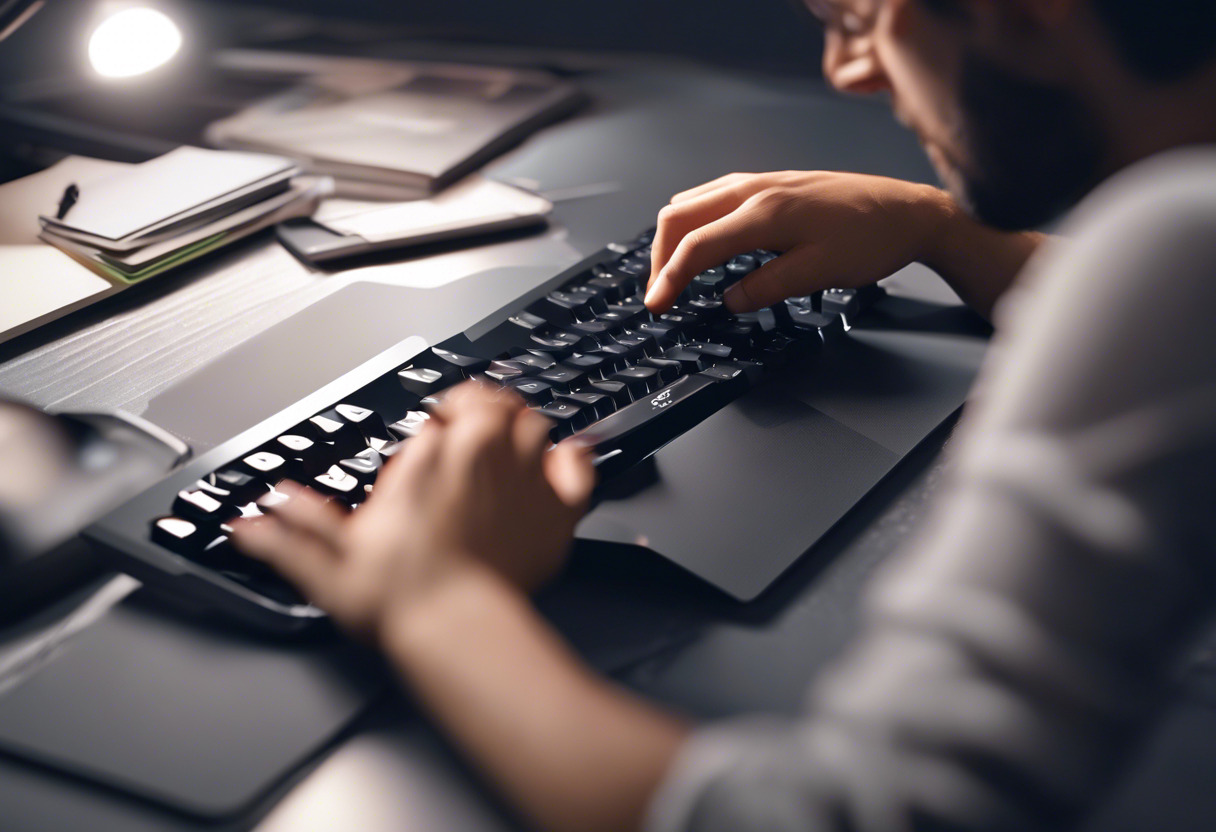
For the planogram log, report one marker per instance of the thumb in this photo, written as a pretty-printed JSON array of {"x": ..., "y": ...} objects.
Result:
[
  {"x": 570, "y": 473},
  {"x": 798, "y": 272}
]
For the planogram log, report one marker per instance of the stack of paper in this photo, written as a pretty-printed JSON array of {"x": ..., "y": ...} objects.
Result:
[{"x": 174, "y": 209}]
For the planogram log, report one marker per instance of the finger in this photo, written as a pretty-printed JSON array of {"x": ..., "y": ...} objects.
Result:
[
  {"x": 307, "y": 511},
  {"x": 531, "y": 438},
  {"x": 412, "y": 465},
  {"x": 481, "y": 432},
  {"x": 676, "y": 221},
  {"x": 710, "y": 245},
  {"x": 795, "y": 273},
  {"x": 570, "y": 473},
  {"x": 302, "y": 559},
  {"x": 473, "y": 394},
  {"x": 722, "y": 181}
]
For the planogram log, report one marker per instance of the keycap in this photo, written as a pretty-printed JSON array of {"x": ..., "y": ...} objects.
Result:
[
  {"x": 331, "y": 427},
  {"x": 533, "y": 390},
  {"x": 409, "y": 425},
  {"x": 528, "y": 321},
  {"x": 614, "y": 286},
  {"x": 567, "y": 416},
  {"x": 639, "y": 345},
  {"x": 709, "y": 283},
  {"x": 669, "y": 370},
  {"x": 614, "y": 390},
  {"x": 666, "y": 334},
  {"x": 535, "y": 361},
  {"x": 595, "y": 404},
  {"x": 197, "y": 505},
  {"x": 613, "y": 357},
  {"x": 563, "y": 378},
  {"x": 741, "y": 265},
  {"x": 369, "y": 422},
  {"x": 339, "y": 484},
  {"x": 557, "y": 344},
  {"x": 850, "y": 302},
  {"x": 314, "y": 457},
  {"x": 595, "y": 334},
  {"x": 364, "y": 466},
  {"x": 180, "y": 536},
  {"x": 640, "y": 381},
  {"x": 592, "y": 365},
  {"x": 233, "y": 486},
  {"x": 422, "y": 381},
  {"x": 503, "y": 371},
  {"x": 737, "y": 333},
  {"x": 272, "y": 467}
]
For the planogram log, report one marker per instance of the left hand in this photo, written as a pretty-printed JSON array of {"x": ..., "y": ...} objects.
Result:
[{"x": 476, "y": 486}]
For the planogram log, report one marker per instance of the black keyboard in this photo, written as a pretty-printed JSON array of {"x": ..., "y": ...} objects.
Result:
[{"x": 581, "y": 350}]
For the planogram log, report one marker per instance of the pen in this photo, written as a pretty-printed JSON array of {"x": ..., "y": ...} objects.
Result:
[{"x": 70, "y": 195}]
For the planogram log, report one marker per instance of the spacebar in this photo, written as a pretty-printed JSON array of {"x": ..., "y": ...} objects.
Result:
[{"x": 638, "y": 429}]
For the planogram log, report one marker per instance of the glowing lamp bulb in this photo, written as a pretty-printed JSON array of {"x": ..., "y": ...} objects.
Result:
[{"x": 132, "y": 42}]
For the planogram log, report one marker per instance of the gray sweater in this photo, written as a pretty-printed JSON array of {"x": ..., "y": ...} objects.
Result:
[{"x": 1008, "y": 659}]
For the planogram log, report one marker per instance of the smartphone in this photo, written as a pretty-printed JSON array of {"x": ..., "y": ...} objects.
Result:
[{"x": 347, "y": 228}]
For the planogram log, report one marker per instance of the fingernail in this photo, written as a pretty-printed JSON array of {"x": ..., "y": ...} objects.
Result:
[{"x": 654, "y": 284}]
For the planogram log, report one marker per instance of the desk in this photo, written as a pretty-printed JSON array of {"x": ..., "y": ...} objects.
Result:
[{"x": 652, "y": 131}]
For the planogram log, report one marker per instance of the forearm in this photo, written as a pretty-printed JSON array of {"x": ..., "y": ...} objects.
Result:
[
  {"x": 977, "y": 261},
  {"x": 568, "y": 749}
]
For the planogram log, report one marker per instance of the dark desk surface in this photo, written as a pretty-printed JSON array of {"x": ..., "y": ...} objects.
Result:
[{"x": 651, "y": 132}]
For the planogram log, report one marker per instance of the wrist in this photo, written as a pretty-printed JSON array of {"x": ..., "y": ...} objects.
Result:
[
  {"x": 938, "y": 217},
  {"x": 469, "y": 589}
]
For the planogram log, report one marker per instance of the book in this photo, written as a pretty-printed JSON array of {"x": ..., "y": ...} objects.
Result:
[{"x": 407, "y": 129}]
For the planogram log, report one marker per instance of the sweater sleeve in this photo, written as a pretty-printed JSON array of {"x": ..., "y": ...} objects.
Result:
[{"x": 1008, "y": 659}]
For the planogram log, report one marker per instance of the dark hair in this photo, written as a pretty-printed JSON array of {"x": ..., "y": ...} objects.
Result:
[{"x": 1161, "y": 40}]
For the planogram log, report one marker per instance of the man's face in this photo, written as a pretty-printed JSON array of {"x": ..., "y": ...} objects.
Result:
[{"x": 1013, "y": 149}]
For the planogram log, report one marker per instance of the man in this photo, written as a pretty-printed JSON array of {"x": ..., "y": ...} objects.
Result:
[{"x": 1008, "y": 659}]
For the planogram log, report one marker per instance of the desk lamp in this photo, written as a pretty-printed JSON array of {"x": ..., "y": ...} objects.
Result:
[{"x": 128, "y": 42}]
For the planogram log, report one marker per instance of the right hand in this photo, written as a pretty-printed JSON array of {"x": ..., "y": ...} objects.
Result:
[{"x": 835, "y": 230}]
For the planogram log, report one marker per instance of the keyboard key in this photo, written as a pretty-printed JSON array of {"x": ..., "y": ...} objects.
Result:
[
  {"x": 614, "y": 287},
  {"x": 535, "y": 362},
  {"x": 340, "y": 485},
  {"x": 742, "y": 265},
  {"x": 271, "y": 467},
  {"x": 568, "y": 417},
  {"x": 533, "y": 390},
  {"x": 314, "y": 457},
  {"x": 595, "y": 334},
  {"x": 614, "y": 357},
  {"x": 422, "y": 381},
  {"x": 364, "y": 466},
  {"x": 595, "y": 404},
  {"x": 669, "y": 370},
  {"x": 640, "y": 381},
  {"x": 614, "y": 390},
  {"x": 710, "y": 283},
  {"x": 592, "y": 365},
  {"x": 199, "y": 506},
  {"x": 331, "y": 427},
  {"x": 563, "y": 378},
  {"x": 501, "y": 372},
  {"x": 180, "y": 536},
  {"x": 850, "y": 302},
  {"x": 369, "y": 422},
  {"x": 528, "y": 321},
  {"x": 557, "y": 344},
  {"x": 231, "y": 486},
  {"x": 409, "y": 425}
]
